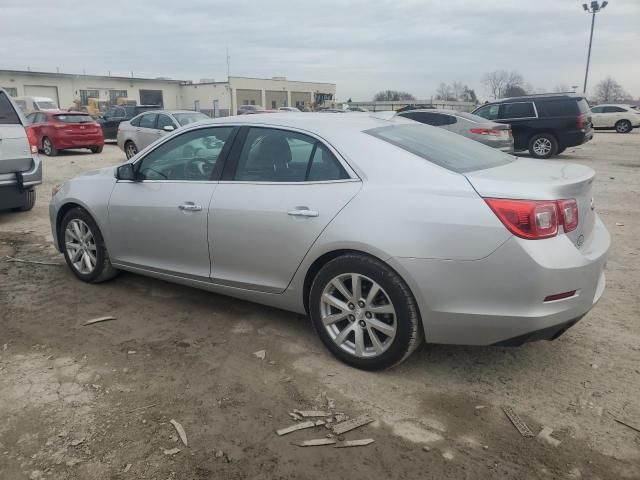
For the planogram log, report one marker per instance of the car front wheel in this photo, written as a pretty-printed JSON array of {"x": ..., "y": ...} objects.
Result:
[
  {"x": 543, "y": 145},
  {"x": 364, "y": 313},
  {"x": 623, "y": 126},
  {"x": 84, "y": 248}
]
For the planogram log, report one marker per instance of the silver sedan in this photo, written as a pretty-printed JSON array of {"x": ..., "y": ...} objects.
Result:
[
  {"x": 144, "y": 129},
  {"x": 384, "y": 231}
]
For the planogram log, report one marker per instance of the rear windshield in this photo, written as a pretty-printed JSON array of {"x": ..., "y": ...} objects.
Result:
[
  {"x": 446, "y": 149},
  {"x": 74, "y": 118},
  {"x": 7, "y": 114},
  {"x": 187, "y": 118}
]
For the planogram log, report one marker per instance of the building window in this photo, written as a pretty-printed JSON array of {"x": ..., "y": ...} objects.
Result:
[
  {"x": 114, "y": 95},
  {"x": 85, "y": 95},
  {"x": 12, "y": 91},
  {"x": 273, "y": 104}
]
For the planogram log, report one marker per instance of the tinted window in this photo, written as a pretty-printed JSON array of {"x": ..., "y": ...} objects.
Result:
[
  {"x": 422, "y": 117},
  {"x": 148, "y": 121},
  {"x": 443, "y": 148},
  {"x": 74, "y": 118},
  {"x": 40, "y": 118},
  {"x": 597, "y": 109},
  {"x": 163, "y": 121},
  {"x": 115, "y": 112},
  {"x": 490, "y": 112},
  {"x": 559, "y": 108},
  {"x": 7, "y": 113},
  {"x": 270, "y": 155},
  {"x": 613, "y": 109},
  {"x": 136, "y": 121},
  {"x": 191, "y": 117},
  {"x": 31, "y": 118},
  {"x": 190, "y": 156},
  {"x": 517, "y": 110}
]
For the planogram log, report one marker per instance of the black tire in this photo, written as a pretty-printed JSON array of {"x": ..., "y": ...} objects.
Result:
[
  {"x": 48, "y": 148},
  {"x": 409, "y": 330},
  {"x": 29, "y": 201},
  {"x": 546, "y": 139},
  {"x": 103, "y": 270},
  {"x": 97, "y": 149},
  {"x": 130, "y": 149},
  {"x": 623, "y": 126}
]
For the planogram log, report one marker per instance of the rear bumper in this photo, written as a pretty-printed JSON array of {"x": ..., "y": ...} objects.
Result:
[
  {"x": 500, "y": 298},
  {"x": 575, "y": 138},
  {"x": 30, "y": 177},
  {"x": 80, "y": 141}
]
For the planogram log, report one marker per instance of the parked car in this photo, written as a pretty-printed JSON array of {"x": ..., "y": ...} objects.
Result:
[
  {"x": 35, "y": 104},
  {"x": 496, "y": 135},
  {"x": 112, "y": 118},
  {"x": 546, "y": 125},
  {"x": 249, "y": 109},
  {"x": 384, "y": 231},
  {"x": 622, "y": 118},
  {"x": 289, "y": 109},
  {"x": 58, "y": 130},
  {"x": 20, "y": 166},
  {"x": 147, "y": 127}
]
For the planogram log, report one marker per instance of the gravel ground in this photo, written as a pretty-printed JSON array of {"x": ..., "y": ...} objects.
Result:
[{"x": 80, "y": 402}]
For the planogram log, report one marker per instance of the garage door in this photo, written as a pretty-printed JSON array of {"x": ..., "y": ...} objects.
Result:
[{"x": 42, "y": 91}]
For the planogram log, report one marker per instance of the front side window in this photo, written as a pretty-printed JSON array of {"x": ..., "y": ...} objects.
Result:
[
  {"x": 597, "y": 110},
  {"x": 271, "y": 155},
  {"x": 136, "y": 121},
  {"x": 517, "y": 110},
  {"x": 148, "y": 121},
  {"x": 163, "y": 121},
  {"x": 490, "y": 112},
  {"x": 31, "y": 118},
  {"x": 450, "y": 151},
  {"x": 190, "y": 156}
]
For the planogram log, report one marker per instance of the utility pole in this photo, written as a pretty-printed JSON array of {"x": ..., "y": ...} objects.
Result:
[{"x": 594, "y": 8}]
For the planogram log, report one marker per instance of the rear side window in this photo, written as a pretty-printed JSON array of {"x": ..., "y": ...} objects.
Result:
[
  {"x": 148, "y": 121},
  {"x": 74, "y": 118},
  {"x": 560, "y": 108},
  {"x": 614, "y": 109},
  {"x": 8, "y": 115},
  {"x": 517, "y": 110},
  {"x": 443, "y": 148}
]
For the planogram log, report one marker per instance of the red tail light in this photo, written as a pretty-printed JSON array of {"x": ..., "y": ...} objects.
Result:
[
  {"x": 32, "y": 138},
  {"x": 489, "y": 131},
  {"x": 580, "y": 121},
  {"x": 535, "y": 219}
]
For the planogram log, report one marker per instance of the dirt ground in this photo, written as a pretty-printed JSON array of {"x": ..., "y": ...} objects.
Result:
[{"x": 95, "y": 402}]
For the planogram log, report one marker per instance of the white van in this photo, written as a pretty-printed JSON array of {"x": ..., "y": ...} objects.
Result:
[{"x": 35, "y": 104}]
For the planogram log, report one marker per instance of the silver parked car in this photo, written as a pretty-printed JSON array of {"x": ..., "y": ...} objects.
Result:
[
  {"x": 20, "y": 166},
  {"x": 384, "y": 231},
  {"x": 496, "y": 135},
  {"x": 147, "y": 127}
]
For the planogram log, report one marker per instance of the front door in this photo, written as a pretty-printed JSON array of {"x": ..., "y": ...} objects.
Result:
[
  {"x": 283, "y": 188},
  {"x": 159, "y": 222}
]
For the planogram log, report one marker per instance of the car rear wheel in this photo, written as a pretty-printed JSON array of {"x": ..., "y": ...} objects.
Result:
[
  {"x": 130, "y": 149},
  {"x": 543, "y": 145},
  {"x": 97, "y": 149},
  {"x": 364, "y": 313},
  {"x": 84, "y": 248},
  {"x": 48, "y": 148},
  {"x": 623, "y": 126},
  {"x": 28, "y": 201}
]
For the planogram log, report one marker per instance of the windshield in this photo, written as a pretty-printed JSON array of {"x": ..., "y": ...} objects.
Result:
[
  {"x": 191, "y": 117},
  {"x": 46, "y": 105},
  {"x": 74, "y": 118},
  {"x": 446, "y": 149}
]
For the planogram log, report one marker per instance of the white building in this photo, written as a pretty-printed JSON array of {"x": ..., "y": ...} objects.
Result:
[{"x": 208, "y": 96}]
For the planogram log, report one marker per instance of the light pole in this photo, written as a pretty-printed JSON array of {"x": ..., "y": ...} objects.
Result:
[{"x": 594, "y": 8}]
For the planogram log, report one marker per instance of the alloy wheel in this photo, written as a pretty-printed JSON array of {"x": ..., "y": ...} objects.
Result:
[
  {"x": 131, "y": 150},
  {"x": 358, "y": 315},
  {"x": 81, "y": 246},
  {"x": 623, "y": 127},
  {"x": 46, "y": 146},
  {"x": 542, "y": 146}
]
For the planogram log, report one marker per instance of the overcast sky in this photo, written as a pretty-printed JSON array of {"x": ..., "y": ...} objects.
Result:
[{"x": 362, "y": 45}]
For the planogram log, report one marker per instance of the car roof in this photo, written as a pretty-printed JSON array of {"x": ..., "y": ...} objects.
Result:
[
  {"x": 530, "y": 98},
  {"x": 612, "y": 105}
]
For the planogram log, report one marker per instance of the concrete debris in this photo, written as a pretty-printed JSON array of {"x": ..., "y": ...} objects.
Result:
[
  {"x": 356, "y": 443},
  {"x": 98, "y": 320},
  {"x": 340, "y": 417},
  {"x": 545, "y": 435},
  {"x": 295, "y": 416},
  {"x": 426, "y": 448},
  {"x": 260, "y": 354},
  {"x": 75, "y": 443},
  {"x": 618, "y": 224},
  {"x": 316, "y": 442},
  {"x": 172, "y": 451},
  {"x": 181, "y": 432},
  {"x": 522, "y": 427},
  {"x": 295, "y": 427},
  {"x": 4, "y": 347},
  {"x": 127, "y": 468},
  {"x": 219, "y": 454},
  {"x": 447, "y": 455},
  {"x": 311, "y": 413},
  {"x": 352, "y": 424}
]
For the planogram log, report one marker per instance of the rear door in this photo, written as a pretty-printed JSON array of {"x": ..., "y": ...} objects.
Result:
[
  {"x": 146, "y": 132},
  {"x": 15, "y": 154},
  {"x": 519, "y": 115},
  {"x": 279, "y": 191}
]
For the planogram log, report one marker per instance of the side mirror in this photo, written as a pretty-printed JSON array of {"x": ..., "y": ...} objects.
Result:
[
  {"x": 126, "y": 172},
  {"x": 168, "y": 128}
]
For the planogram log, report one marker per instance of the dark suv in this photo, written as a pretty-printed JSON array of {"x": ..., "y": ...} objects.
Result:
[
  {"x": 121, "y": 113},
  {"x": 543, "y": 124}
]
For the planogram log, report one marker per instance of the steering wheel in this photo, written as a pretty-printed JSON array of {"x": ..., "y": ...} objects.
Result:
[{"x": 198, "y": 169}]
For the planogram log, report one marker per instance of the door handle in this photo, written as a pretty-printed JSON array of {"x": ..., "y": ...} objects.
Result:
[
  {"x": 190, "y": 207},
  {"x": 303, "y": 212}
]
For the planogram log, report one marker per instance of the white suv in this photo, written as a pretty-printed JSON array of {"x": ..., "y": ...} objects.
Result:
[{"x": 622, "y": 118}]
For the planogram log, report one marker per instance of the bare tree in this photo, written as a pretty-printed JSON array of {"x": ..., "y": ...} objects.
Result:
[
  {"x": 457, "y": 88},
  {"x": 501, "y": 83},
  {"x": 469, "y": 95},
  {"x": 392, "y": 96},
  {"x": 608, "y": 90},
  {"x": 445, "y": 92}
]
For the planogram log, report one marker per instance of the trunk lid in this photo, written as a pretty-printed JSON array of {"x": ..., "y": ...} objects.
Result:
[{"x": 528, "y": 179}]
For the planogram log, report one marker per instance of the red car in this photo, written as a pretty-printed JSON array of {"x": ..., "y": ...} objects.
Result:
[{"x": 57, "y": 130}]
